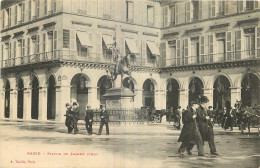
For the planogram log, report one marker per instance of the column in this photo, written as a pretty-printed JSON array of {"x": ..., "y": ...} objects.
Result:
[
  {"x": 235, "y": 95},
  {"x": 138, "y": 99},
  {"x": 184, "y": 98},
  {"x": 62, "y": 97},
  {"x": 209, "y": 93},
  {"x": 13, "y": 103},
  {"x": 163, "y": 99},
  {"x": 43, "y": 104},
  {"x": 27, "y": 103},
  {"x": 2, "y": 107},
  {"x": 92, "y": 97}
]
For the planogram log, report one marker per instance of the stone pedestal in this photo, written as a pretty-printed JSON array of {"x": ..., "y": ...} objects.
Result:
[{"x": 119, "y": 99}]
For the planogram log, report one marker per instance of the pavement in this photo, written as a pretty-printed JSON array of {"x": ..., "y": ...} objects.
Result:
[{"x": 47, "y": 144}]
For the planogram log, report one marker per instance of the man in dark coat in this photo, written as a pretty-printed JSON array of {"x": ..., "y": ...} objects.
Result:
[
  {"x": 75, "y": 116},
  {"x": 104, "y": 120},
  {"x": 205, "y": 124},
  {"x": 89, "y": 119},
  {"x": 68, "y": 121},
  {"x": 190, "y": 134}
]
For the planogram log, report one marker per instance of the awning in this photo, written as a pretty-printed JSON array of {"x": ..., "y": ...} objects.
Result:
[
  {"x": 132, "y": 46},
  {"x": 153, "y": 48},
  {"x": 108, "y": 40},
  {"x": 84, "y": 39}
]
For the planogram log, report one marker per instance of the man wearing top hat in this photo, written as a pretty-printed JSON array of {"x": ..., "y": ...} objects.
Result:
[
  {"x": 190, "y": 134},
  {"x": 75, "y": 116},
  {"x": 205, "y": 124},
  {"x": 104, "y": 120},
  {"x": 89, "y": 119}
]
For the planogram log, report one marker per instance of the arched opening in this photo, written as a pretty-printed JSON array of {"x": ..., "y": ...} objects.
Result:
[
  {"x": 79, "y": 92},
  {"x": 20, "y": 99},
  {"x": 7, "y": 99},
  {"x": 221, "y": 93},
  {"x": 195, "y": 89},
  {"x": 128, "y": 83},
  {"x": 148, "y": 93},
  {"x": 35, "y": 99},
  {"x": 51, "y": 100},
  {"x": 250, "y": 94},
  {"x": 104, "y": 83},
  {"x": 172, "y": 97}
]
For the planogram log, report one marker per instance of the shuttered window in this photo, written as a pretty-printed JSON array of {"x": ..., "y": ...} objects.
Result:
[
  {"x": 229, "y": 45},
  {"x": 258, "y": 41},
  {"x": 202, "y": 49},
  {"x": 178, "y": 52},
  {"x": 165, "y": 16},
  {"x": 238, "y": 44},
  {"x": 177, "y": 14},
  {"x": 211, "y": 47},
  {"x": 16, "y": 15},
  {"x": 186, "y": 51},
  {"x": 188, "y": 11},
  {"x": 29, "y": 10}
]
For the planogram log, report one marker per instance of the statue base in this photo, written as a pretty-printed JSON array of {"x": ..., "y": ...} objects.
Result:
[{"x": 119, "y": 99}]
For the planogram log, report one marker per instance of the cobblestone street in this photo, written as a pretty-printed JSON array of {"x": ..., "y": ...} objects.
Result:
[{"x": 129, "y": 145}]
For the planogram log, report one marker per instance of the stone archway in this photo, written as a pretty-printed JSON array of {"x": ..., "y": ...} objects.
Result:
[
  {"x": 250, "y": 94},
  {"x": 195, "y": 89},
  {"x": 172, "y": 96},
  {"x": 80, "y": 92},
  {"x": 20, "y": 99},
  {"x": 104, "y": 83},
  {"x": 148, "y": 93},
  {"x": 51, "y": 100},
  {"x": 7, "y": 99},
  {"x": 35, "y": 99},
  {"x": 221, "y": 93}
]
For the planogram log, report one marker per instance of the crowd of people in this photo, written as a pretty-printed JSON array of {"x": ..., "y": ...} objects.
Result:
[{"x": 72, "y": 117}]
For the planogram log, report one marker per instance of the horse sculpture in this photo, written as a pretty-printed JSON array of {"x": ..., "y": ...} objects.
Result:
[{"x": 122, "y": 67}]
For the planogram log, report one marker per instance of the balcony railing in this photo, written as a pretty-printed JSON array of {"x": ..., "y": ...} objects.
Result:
[
  {"x": 66, "y": 55},
  {"x": 212, "y": 58}
]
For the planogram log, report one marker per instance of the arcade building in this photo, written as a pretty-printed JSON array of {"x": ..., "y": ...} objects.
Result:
[{"x": 57, "y": 51}]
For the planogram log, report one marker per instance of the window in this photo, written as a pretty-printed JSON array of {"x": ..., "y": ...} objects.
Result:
[
  {"x": 202, "y": 49},
  {"x": 172, "y": 15},
  {"x": 249, "y": 42},
  {"x": 23, "y": 12},
  {"x": 177, "y": 14},
  {"x": 38, "y": 44},
  {"x": 37, "y": 8},
  {"x": 186, "y": 51},
  {"x": 129, "y": 11},
  {"x": 106, "y": 45},
  {"x": 150, "y": 15},
  {"x": 54, "y": 6},
  {"x": 211, "y": 47},
  {"x": 9, "y": 13},
  {"x": 14, "y": 51},
  {"x": 200, "y": 10},
  {"x": 188, "y": 12},
  {"x": 165, "y": 16},
  {"x": 44, "y": 42},
  {"x": 23, "y": 48},
  {"x": 258, "y": 41},
  {"x": 229, "y": 45},
  {"x": 3, "y": 23},
  {"x": 221, "y": 8},
  {"x": 249, "y": 5},
  {"x": 16, "y": 15},
  {"x": 196, "y": 9},
  {"x": 213, "y": 8},
  {"x": 83, "y": 42},
  {"x": 240, "y": 6},
  {"x": 30, "y": 10},
  {"x": 107, "y": 9},
  {"x": 152, "y": 52},
  {"x": 238, "y": 43},
  {"x": 28, "y": 46},
  {"x": 45, "y": 7},
  {"x": 178, "y": 52}
]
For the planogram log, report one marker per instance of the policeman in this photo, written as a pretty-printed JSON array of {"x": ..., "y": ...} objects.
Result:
[
  {"x": 89, "y": 119},
  {"x": 205, "y": 124},
  {"x": 104, "y": 120}
]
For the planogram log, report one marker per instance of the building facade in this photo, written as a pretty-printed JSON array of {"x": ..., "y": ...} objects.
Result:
[{"x": 58, "y": 51}]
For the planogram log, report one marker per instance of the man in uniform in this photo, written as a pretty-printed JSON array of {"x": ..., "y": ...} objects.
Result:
[
  {"x": 190, "y": 134},
  {"x": 104, "y": 120},
  {"x": 205, "y": 124},
  {"x": 68, "y": 121},
  {"x": 89, "y": 119},
  {"x": 75, "y": 116}
]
